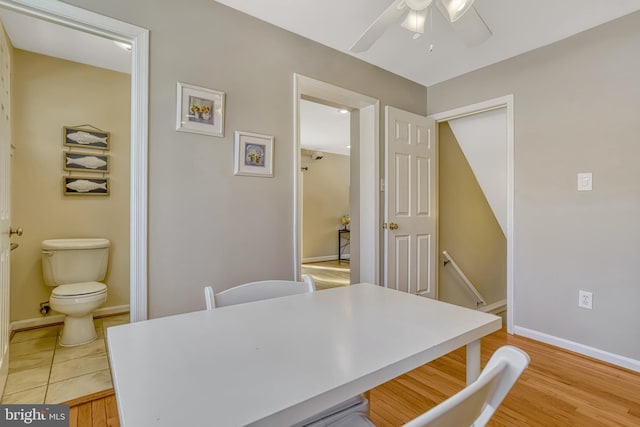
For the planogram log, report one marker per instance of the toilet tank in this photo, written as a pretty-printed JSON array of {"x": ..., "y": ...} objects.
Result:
[{"x": 74, "y": 260}]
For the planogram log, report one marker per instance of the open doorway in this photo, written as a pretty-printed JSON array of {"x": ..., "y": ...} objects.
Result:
[
  {"x": 364, "y": 188},
  {"x": 325, "y": 165},
  {"x": 136, "y": 38},
  {"x": 475, "y": 229}
]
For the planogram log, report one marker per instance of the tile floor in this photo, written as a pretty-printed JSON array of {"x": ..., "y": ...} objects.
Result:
[{"x": 41, "y": 371}]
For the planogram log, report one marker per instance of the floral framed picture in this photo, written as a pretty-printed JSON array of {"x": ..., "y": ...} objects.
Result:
[
  {"x": 199, "y": 110},
  {"x": 253, "y": 154}
]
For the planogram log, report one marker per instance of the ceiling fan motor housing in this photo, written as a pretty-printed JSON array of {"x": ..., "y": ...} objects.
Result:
[{"x": 418, "y": 4}]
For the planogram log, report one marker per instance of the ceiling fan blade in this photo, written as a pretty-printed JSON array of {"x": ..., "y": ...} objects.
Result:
[
  {"x": 472, "y": 28},
  {"x": 379, "y": 26}
]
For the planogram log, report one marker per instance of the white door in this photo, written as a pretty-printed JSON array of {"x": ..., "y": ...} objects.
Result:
[
  {"x": 5, "y": 197},
  {"x": 410, "y": 203}
]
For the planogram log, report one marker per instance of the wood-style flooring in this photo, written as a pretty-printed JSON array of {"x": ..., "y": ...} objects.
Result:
[
  {"x": 96, "y": 410},
  {"x": 559, "y": 388},
  {"x": 328, "y": 274}
]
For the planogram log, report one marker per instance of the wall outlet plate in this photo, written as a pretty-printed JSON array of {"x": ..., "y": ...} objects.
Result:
[{"x": 585, "y": 299}]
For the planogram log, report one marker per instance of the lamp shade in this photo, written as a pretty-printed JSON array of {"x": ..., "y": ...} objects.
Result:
[{"x": 454, "y": 9}]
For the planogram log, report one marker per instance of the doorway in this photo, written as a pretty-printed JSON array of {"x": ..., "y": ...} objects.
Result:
[
  {"x": 364, "y": 191},
  {"x": 92, "y": 23},
  {"x": 505, "y": 218},
  {"x": 325, "y": 166},
  {"x": 138, "y": 38}
]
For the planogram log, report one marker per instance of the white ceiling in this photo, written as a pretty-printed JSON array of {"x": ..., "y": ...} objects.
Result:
[
  {"x": 518, "y": 26},
  {"x": 43, "y": 37},
  {"x": 323, "y": 128}
]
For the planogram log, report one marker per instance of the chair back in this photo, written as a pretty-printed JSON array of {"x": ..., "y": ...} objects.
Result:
[
  {"x": 256, "y": 291},
  {"x": 475, "y": 404}
]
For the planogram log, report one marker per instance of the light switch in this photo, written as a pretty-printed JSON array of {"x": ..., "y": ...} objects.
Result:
[{"x": 585, "y": 181}]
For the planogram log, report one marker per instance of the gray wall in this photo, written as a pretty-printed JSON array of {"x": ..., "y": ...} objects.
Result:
[
  {"x": 577, "y": 109},
  {"x": 207, "y": 226}
]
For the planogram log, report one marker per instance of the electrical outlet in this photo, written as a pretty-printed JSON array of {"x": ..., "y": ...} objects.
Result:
[{"x": 585, "y": 299}]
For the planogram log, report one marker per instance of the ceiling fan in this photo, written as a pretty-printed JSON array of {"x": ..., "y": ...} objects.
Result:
[{"x": 460, "y": 13}]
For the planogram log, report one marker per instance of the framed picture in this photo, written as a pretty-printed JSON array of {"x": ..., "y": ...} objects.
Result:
[
  {"x": 85, "y": 138},
  {"x": 200, "y": 110},
  {"x": 253, "y": 154},
  {"x": 85, "y": 162},
  {"x": 85, "y": 186}
]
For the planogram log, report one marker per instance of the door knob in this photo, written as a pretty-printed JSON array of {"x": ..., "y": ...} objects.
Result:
[
  {"x": 393, "y": 226},
  {"x": 17, "y": 231}
]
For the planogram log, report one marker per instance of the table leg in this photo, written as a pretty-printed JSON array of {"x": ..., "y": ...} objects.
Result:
[{"x": 473, "y": 361}]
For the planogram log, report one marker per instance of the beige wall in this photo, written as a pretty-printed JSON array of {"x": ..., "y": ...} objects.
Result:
[
  {"x": 467, "y": 230},
  {"x": 325, "y": 188},
  {"x": 50, "y": 93},
  {"x": 207, "y": 226},
  {"x": 577, "y": 104}
]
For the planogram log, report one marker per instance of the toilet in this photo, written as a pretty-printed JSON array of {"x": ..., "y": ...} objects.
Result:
[{"x": 76, "y": 267}]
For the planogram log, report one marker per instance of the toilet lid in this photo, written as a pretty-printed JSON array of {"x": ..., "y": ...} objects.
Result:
[{"x": 75, "y": 289}]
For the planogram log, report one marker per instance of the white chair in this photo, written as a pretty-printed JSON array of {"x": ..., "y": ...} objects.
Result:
[
  {"x": 266, "y": 289},
  {"x": 256, "y": 291},
  {"x": 472, "y": 406}
]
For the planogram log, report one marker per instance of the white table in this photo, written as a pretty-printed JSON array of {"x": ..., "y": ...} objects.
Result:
[{"x": 278, "y": 361}]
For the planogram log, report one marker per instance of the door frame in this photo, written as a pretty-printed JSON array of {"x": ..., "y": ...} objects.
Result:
[
  {"x": 489, "y": 105},
  {"x": 93, "y": 23},
  {"x": 367, "y": 193}
]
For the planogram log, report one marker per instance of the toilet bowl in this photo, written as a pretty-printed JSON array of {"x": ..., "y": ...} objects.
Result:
[{"x": 75, "y": 267}]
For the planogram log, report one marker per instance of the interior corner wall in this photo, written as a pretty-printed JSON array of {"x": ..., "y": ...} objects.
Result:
[
  {"x": 207, "y": 226},
  {"x": 467, "y": 230},
  {"x": 49, "y": 93},
  {"x": 576, "y": 110},
  {"x": 325, "y": 199}
]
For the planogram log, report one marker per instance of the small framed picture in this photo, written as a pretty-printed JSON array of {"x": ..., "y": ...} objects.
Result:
[
  {"x": 85, "y": 162},
  {"x": 85, "y": 138},
  {"x": 85, "y": 186},
  {"x": 253, "y": 154},
  {"x": 200, "y": 110}
]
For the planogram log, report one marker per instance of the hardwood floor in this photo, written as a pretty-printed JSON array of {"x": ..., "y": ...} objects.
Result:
[
  {"x": 559, "y": 388},
  {"x": 328, "y": 274},
  {"x": 96, "y": 410}
]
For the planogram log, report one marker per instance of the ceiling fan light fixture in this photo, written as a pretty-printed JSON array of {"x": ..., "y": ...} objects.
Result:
[
  {"x": 415, "y": 20},
  {"x": 454, "y": 9}
]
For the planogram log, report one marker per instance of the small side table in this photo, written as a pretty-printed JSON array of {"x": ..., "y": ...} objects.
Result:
[{"x": 344, "y": 240}]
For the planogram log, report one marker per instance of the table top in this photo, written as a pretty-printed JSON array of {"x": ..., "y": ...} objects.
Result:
[{"x": 278, "y": 361}]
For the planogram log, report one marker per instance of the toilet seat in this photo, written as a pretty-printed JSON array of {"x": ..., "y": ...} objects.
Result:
[{"x": 79, "y": 290}]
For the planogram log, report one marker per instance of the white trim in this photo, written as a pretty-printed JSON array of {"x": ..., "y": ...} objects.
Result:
[
  {"x": 93, "y": 23},
  {"x": 494, "y": 308},
  {"x": 39, "y": 322},
  {"x": 303, "y": 85},
  {"x": 576, "y": 347},
  {"x": 493, "y": 104}
]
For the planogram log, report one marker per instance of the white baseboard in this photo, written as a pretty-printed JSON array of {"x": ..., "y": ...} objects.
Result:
[
  {"x": 59, "y": 318},
  {"x": 596, "y": 353},
  {"x": 494, "y": 308},
  {"x": 325, "y": 258}
]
